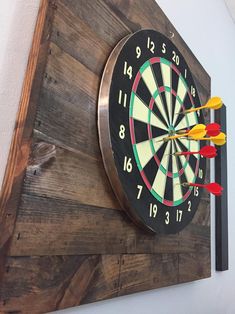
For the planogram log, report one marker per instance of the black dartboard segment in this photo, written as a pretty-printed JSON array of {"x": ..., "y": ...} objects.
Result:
[{"x": 146, "y": 83}]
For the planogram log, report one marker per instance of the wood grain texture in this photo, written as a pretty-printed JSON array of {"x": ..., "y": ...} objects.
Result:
[
  {"x": 42, "y": 284},
  {"x": 42, "y": 229},
  {"x": 71, "y": 243}
]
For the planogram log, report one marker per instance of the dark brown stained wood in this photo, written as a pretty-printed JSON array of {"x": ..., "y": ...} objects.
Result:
[
  {"x": 194, "y": 266},
  {"x": 72, "y": 244},
  {"x": 20, "y": 145},
  {"x": 61, "y": 177},
  {"x": 42, "y": 284},
  {"x": 98, "y": 16},
  {"x": 42, "y": 229},
  {"x": 72, "y": 103},
  {"x": 70, "y": 27},
  {"x": 39, "y": 285},
  {"x": 140, "y": 271}
]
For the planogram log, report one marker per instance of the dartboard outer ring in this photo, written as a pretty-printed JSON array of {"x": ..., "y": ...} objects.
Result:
[{"x": 105, "y": 140}]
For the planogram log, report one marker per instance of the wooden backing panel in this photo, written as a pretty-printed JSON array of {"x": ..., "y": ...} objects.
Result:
[
  {"x": 194, "y": 266},
  {"x": 100, "y": 18},
  {"x": 59, "y": 227},
  {"x": 194, "y": 238},
  {"x": 70, "y": 74},
  {"x": 69, "y": 27},
  {"x": 20, "y": 145},
  {"x": 106, "y": 280},
  {"x": 69, "y": 176},
  {"x": 202, "y": 215},
  {"x": 75, "y": 130},
  {"x": 140, "y": 272},
  {"x": 67, "y": 106},
  {"x": 43, "y": 284}
]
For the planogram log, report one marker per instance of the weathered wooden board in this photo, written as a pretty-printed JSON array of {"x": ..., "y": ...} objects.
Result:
[{"x": 64, "y": 239}]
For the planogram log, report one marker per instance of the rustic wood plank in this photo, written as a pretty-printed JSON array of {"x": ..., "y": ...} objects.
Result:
[
  {"x": 194, "y": 266},
  {"x": 100, "y": 18},
  {"x": 70, "y": 100},
  {"x": 141, "y": 271},
  {"x": 105, "y": 283},
  {"x": 68, "y": 26},
  {"x": 75, "y": 280},
  {"x": 69, "y": 176},
  {"x": 20, "y": 145},
  {"x": 59, "y": 227},
  {"x": 40, "y": 285}
]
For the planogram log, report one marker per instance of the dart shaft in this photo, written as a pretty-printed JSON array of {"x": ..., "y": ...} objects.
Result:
[
  {"x": 195, "y": 109},
  {"x": 176, "y": 136},
  {"x": 197, "y": 184},
  {"x": 186, "y": 153}
]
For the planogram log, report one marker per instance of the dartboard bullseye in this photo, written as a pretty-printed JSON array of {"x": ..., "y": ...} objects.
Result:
[{"x": 145, "y": 85}]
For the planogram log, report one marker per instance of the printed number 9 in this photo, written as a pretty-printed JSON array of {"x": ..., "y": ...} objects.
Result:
[{"x": 138, "y": 52}]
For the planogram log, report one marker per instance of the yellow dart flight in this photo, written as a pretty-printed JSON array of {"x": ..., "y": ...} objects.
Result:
[
  {"x": 213, "y": 103},
  {"x": 218, "y": 140}
]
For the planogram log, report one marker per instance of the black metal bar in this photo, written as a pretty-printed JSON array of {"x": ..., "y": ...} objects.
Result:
[{"x": 221, "y": 203}]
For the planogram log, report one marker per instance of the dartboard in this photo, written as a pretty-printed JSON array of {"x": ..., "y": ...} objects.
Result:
[{"x": 146, "y": 87}]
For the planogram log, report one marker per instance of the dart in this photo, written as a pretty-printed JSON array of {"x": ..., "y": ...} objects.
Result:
[
  {"x": 197, "y": 132},
  {"x": 218, "y": 140},
  {"x": 214, "y": 188},
  {"x": 206, "y": 151},
  {"x": 213, "y": 129},
  {"x": 213, "y": 103}
]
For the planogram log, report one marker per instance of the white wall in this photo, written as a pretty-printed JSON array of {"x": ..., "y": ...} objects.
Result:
[
  {"x": 208, "y": 29},
  {"x": 17, "y": 20}
]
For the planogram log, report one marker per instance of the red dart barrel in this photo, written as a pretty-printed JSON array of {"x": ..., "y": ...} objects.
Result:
[{"x": 206, "y": 151}]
